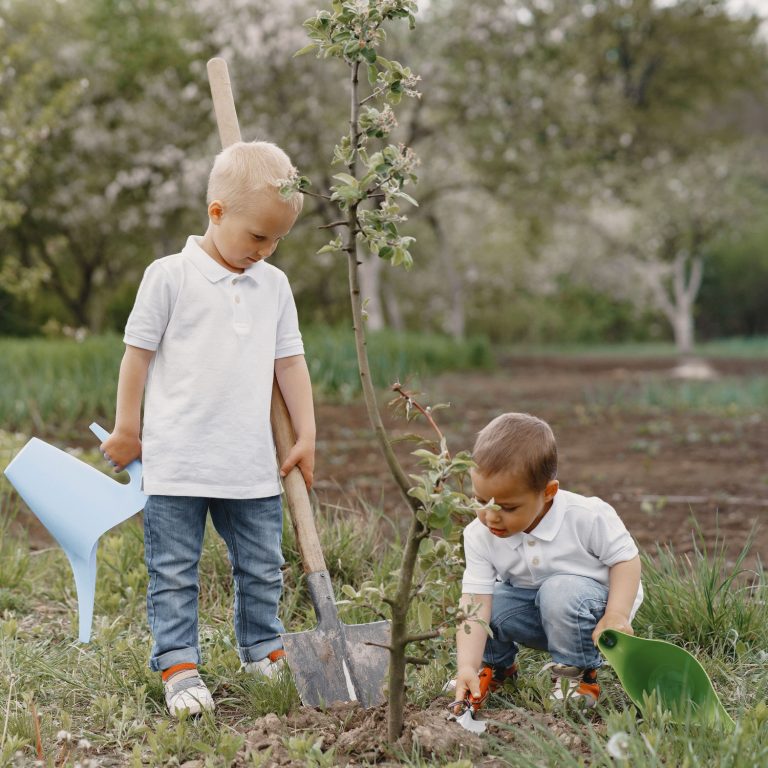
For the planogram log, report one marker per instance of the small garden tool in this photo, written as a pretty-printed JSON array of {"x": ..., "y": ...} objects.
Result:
[
  {"x": 464, "y": 711},
  {"x": 77, "y": 504},
  {"x": 681, "y": 684}
]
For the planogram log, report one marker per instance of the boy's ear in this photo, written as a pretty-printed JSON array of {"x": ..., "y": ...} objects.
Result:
[
  {"x": 215, "y": 211},
  {"x": 551, "y": 489}
]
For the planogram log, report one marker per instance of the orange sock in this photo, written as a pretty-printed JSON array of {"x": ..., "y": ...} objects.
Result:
[
  {"x": 275, "y": 655},
  {"x": 171, "y": 671}
]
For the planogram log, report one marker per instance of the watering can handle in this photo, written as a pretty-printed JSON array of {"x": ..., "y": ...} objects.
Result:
[{"x": 133, "y": 469}]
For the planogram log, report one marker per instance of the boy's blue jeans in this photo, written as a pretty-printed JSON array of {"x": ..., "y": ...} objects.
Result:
[
  {"x": 558, "y": 617},
  {"x": 173, "y": 541}
]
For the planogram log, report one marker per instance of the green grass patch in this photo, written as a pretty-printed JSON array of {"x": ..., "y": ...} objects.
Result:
[
  {"x": 392, "y": 356},
  {"x": 751, "y": 347},
  {"x": 55, "y": 386},
  {"x": 729, "y": 395}
]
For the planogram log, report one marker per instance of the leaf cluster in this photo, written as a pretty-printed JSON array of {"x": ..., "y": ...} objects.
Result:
[{"x": 370, "y": 200}]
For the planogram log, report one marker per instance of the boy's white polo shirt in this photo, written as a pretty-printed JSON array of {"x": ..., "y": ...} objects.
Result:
[
  {"x": 216, "y": 335},
  {"x": 580, "y": 535}
]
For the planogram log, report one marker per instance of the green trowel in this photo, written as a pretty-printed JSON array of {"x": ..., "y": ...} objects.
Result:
[{"x": 681, "y": 685}]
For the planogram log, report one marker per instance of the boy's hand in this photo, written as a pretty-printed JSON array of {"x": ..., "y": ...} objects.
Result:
[
  {"x": 467, "y": 680},
  {"x": 612, "y": 620},
  {"x": 302, "y": 455},
  {"x": 120, "y": 449}
]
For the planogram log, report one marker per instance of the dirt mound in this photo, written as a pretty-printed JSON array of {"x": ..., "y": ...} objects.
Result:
[{"x": 346, "y": 735}]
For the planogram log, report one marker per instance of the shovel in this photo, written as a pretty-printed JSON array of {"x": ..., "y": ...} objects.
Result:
[
  {"x": 335, "y": 661},
  {"x": 681, "y": 684},
  {"x": 77, "y": 504}
]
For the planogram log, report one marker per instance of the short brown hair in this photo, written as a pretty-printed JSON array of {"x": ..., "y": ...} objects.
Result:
[{"x": 517, "y": 443}]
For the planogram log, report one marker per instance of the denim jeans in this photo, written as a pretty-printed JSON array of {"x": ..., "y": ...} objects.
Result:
[
  {"x": 558, "y": 617},
  {"x": 173, "y": 541}
]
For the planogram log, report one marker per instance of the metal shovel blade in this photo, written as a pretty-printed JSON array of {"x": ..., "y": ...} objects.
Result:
[
  {"x": 335, "y": 661},
  {"x": 368, "y": 660}
]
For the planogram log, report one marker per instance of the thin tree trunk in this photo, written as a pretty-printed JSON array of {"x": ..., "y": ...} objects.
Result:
[
  {"x": 399, "y": 637},
  {"x": 353, "y": 261},
  {"x": 399, "y": 606}
]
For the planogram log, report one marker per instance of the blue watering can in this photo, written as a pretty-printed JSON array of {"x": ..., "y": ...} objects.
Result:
[{"x": 77, "y": 504}]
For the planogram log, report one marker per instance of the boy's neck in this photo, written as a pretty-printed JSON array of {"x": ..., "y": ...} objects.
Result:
[
  {"x": 207, "y": 244},
  {"x": 532, "y": 526}
]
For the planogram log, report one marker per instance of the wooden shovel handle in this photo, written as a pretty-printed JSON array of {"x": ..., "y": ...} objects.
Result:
[
  {"x": 223, "y": 102},
  {"x": 282, "y": 430},
  {"x": 295, "y": 488}
]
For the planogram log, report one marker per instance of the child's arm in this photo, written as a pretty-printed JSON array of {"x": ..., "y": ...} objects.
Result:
[
  {"x": 624, "y": 581},
  {"x": 470, "y": 645},
  {"x": 124, "y": 445},
  {"x": 293, "y": 378}
]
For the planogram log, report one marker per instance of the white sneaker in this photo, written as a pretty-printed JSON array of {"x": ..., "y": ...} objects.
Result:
[
  {"x": 186, "y": 691},
  {"x": 269, "y": 666},
  {"x": 581, "y": 686}
]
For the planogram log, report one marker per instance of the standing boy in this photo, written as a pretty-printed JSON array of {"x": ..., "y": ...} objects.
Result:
[
  {"x": 545, "y": 567},
  {"x": 210, "y": 328}
]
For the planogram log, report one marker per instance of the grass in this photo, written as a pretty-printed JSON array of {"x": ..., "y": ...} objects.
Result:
[
  {"x": 55, "y": 386},
  {"x": 751, "y": 347},
  {"x": 105, "y": 694},
  {"x": 730, "y": 394}
]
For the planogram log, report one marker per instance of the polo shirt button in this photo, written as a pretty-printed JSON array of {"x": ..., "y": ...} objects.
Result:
[
  {"x": 531, "y": 542},
  {"x": 237, "y": 299},
  {"x": 535, "y": 561},
  {"x": 234, "y": 281}
]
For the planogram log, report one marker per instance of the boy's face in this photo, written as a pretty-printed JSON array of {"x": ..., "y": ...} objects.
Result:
[
  {"x": 237, "y": 240},
  {"x": 520, "y": 508}
]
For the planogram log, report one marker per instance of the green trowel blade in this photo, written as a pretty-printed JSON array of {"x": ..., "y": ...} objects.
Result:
[{"x": 680, "y": 683}]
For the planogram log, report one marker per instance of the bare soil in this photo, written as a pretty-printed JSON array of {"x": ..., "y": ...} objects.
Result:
[
  {"x": 659, "y": 469},
  {"x": 356, "y": 736}
]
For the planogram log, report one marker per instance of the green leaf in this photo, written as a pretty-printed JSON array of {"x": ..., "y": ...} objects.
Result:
[
  {"x": 424, "y": 613},
  {"x": 420, "y": 494},
  {"x": 305, "y": 49},
  {"x": 349, "y": 591},
  {"x": 406, "y": 196},
  {"x": 373, "y": 74},
  {"x": 345, "y": 178},
  {"x": 369, "y": 54}
]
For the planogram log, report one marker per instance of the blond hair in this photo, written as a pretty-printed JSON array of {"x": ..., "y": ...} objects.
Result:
[
  {"x": 519, "y": 444},
  {"x": 244, "y": 169}
]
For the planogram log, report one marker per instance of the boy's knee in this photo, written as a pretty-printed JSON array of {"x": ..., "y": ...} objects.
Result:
[{"x": 566, "y": 594}]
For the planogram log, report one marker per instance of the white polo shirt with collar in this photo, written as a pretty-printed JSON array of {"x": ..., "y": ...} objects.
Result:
[
  {"x": 579, "y": 535},
  {"x": 216, "y": 335}
]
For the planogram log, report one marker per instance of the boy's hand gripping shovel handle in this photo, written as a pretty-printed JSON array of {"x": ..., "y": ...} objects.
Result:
[
  {"x": 296, "y": 489},
  {"x": 282, "y": 429}
]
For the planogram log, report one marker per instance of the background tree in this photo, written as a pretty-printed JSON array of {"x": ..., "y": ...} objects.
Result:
[
  {"x": 96, "y": 199},
  {"x": 33, "y": 99}
]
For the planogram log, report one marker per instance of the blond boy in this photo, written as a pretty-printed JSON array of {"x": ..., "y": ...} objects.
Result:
[
  {"x": 210, "y": 328},
  {"x": 545, "y": 568}
]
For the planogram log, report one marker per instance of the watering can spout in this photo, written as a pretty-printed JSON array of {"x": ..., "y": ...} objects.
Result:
[{"x": 77, "y": 504}]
